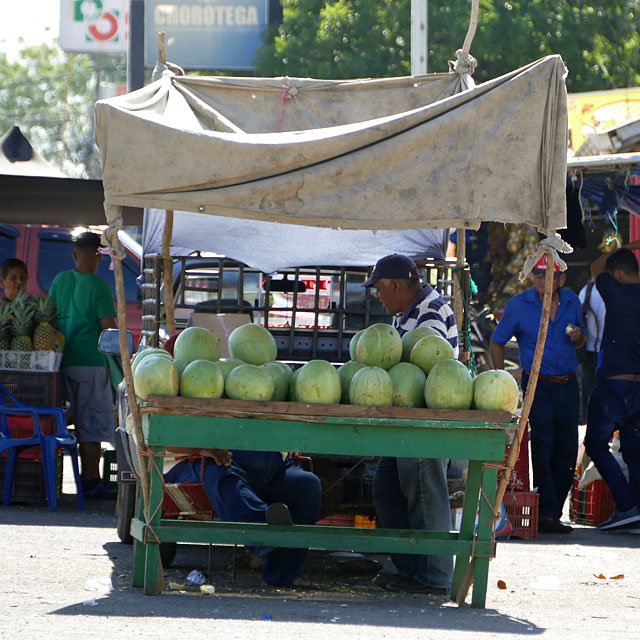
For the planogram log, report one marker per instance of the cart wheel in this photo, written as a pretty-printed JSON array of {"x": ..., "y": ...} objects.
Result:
[
  {"x": 126, "y": 509},
  {"x": 168, "y": 553}
]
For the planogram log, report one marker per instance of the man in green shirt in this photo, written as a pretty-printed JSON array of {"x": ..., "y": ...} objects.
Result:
[{"x": 85, "y": 308}]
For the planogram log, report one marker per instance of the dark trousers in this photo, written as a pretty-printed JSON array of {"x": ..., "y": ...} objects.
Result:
[
  {"x": 554, "y": 441},
  {"x": 615, "y": 404},
  {"x": 588, "y": 366},
  {"x": 243, "y": 491}
]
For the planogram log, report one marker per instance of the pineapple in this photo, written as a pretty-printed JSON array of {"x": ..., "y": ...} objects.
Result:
[
  {"x": 5, "y": 327},
  {"x": 21, "y": 324},
  {"x": 45, "y": 315}
]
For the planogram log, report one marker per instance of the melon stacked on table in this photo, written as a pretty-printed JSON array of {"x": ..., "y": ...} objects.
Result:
[{"x": 416, "y": 370}]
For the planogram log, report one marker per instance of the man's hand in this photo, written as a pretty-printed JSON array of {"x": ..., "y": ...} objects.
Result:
[
  {"x": 221, "y": 457},
  {"x": 575, "y": 335}
]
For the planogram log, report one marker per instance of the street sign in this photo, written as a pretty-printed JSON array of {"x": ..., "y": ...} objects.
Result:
[
  {"x": 206, "y": 34},
  {"x": 94, "y": 26}
]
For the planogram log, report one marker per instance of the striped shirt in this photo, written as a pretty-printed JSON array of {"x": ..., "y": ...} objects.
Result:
[{"x": 429, "y": 309}]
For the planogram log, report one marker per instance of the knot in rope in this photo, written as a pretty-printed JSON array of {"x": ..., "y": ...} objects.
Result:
[
  {"x": 465, "y": 63},
  {"x": 288, "y": 95},
  {"x": 112, "y": 243},
  {"x": 551, "y": 244}
]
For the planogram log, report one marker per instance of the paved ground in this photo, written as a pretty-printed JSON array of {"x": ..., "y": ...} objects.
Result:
[{"x": 586, "y": 584}]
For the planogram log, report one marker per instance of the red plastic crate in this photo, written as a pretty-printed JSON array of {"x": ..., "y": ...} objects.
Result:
[
  {"x": 22, "y": 427},
  {"x": 591, "y": 505},
  {"x": 186, "y": 500},
  {"x": 519, "y": 478},
  {"x": 522, "y": 509}
]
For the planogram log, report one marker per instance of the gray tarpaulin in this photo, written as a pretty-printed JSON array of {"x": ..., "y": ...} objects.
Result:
[
  {"x": 402, "y": 153},
  {"x": 270, "y": 246}
]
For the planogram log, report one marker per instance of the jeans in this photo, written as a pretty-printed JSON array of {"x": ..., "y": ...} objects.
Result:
[
  {"x": 615, "y": 404},
  {"x": 243, "y": 491},
  {"x": 412, "y": 493},
  {"x": 554, "y": 441}
]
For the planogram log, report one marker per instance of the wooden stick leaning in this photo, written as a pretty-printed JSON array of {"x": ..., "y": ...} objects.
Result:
[
  {"x": 524, "y": 416},
  {"x": 459, "y": 293},
  {"x": 167, "y": 272}
]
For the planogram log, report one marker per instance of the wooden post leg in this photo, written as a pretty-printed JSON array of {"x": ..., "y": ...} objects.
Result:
[
  {"x": 153, "y": 575},
  {"x": 468, "y": 522},
  {"x": 485, "y": 533}
]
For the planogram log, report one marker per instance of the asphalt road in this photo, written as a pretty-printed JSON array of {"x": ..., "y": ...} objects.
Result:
[{"x": 50, "y": 562}]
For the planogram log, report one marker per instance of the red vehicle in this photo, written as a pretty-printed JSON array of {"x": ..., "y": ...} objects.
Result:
[{"x": 46, "y": 250}]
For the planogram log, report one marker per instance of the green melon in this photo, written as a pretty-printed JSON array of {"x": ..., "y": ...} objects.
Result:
[
  {"x": 156, "y": 376},
  {"x": 410, "y": 338},
  {"x": 408, "y": 385},
  {"x": 145, "y": 353},
  {"x": 449, "y": 386},
  {"x": 280, "y": 379},
  {"x": 228, "y": 364},
  {"x": 379, "y": 345},
  {"x": 346, "y": 373},
  {"x": 252, "y": 344},
  {"x": 353, "y": 343},
  {"x": 371, "y": 386},
  {"x": 249, "y": 382},
  {"x": 202, "y": 379},
  {"x": 196, "y": 343},
  {"x": 293, "y": 396},
  {"x": 430, "y": 350},
  {"x": 318, "y": 382},
  {"x": 180, "y": 366},
  {"x": 495, "y": 390}
]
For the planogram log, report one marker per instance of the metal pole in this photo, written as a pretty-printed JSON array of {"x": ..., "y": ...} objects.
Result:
[
  {"x": 419, "y": 36},
  {"x": 135, "y": 61}
]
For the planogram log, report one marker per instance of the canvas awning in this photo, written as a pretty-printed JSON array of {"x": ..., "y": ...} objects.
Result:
[{"x": 399, "y": 153}]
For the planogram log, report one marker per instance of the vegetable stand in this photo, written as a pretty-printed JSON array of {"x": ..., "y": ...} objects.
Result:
[{"x": 477, "y": 436}]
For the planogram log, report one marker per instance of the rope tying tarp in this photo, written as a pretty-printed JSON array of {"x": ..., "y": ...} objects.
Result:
[
  {"x": 552, "y": 245},
  {"x": 465, "y": 63}
]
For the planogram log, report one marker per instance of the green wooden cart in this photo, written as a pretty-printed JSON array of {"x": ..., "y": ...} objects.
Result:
[{"x": 478, "y": 436}]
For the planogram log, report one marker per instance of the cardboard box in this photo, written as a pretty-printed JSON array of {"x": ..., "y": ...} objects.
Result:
[{"x": 222, "y": 324}]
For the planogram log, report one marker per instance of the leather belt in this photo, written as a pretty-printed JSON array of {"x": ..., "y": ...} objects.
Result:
[
  {"x": 625, "y": 376},
  {"x": 556, "y": 379}
]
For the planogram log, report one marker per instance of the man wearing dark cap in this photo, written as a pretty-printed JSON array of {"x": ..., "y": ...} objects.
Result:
[
  {"x": 85, "y": 308},
  {"x": 554, "y": 413},
  {"x": 412, "y": 493}
]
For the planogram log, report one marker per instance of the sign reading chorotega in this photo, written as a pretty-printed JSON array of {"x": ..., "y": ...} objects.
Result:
[{"x": 206, "y": 16}]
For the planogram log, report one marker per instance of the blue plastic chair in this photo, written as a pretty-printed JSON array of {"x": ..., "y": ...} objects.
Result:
[{"x": 47, "y": 443}]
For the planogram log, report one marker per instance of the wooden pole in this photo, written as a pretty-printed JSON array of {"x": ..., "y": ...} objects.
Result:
[
  {"x": 167, "y": 272},
  {"x": 458, "y": 291},
  {"x": 524, "y": 416}
]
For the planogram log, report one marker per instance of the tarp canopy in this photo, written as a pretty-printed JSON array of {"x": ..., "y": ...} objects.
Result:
[{"x": 400, "y": 153}]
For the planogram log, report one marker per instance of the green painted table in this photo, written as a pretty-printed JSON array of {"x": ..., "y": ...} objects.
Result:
[{"x": 477, "y": 436}]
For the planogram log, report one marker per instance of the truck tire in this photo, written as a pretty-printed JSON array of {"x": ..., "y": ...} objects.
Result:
[{"x": 128, "y": 496}]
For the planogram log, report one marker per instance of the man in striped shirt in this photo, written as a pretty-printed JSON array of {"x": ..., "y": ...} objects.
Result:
[{"x": 412, "y": 493}]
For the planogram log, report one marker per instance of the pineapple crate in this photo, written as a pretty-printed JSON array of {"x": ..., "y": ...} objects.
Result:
[
  {"x": 37, "y": 389},
  {"x": 522, "y": 509},
  {"x": 592, "y": 504},
  {"x": 30, "y": 360},
  {"x": 28, "y": 481}
]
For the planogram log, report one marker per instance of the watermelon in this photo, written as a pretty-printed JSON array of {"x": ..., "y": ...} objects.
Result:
[
  {"x": 227, "y": 365},
  {"x": 202, "y": 379},
  {"x": 495, "y": 390},
  {"x": 428, "y": 351},
  {"x": 410, "y": 338},
  {"x": 353, "y": 343},
  {"x": 449, "y": 386},
  {"x": 318, "y": 382},
  {"x": 180, "y": 366},
  {"x": 281, "y": 375},
  {"x": 156, "y": 376},
  {"x": 249, "y": 382},
  {"x": 379, "y": 345},
  {"x": 196, "y": 343},
  {"x": 252, "y": 344},
  {"x": 293, "y": 396},
  {"x": 408, "y": 385},
  {"x": 346, "y": 373},
  {"x": 371, "y": 386},
  {"x": 145, "y": 353}
]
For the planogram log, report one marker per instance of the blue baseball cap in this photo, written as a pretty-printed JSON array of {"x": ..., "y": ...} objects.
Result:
[{"x": 395, "y": 266}]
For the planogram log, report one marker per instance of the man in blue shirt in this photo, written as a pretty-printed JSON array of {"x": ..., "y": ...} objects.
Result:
[
  {"x": 554, "y": 413},
  {"x": 615, "y": 399}
]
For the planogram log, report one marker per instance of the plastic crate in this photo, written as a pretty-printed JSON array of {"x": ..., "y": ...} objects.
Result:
[
  {"x": 30, "y": 360},
  {"x": 519, "y": 478},
  {"x": 186, "y": 500},
  {"x": 591, "y": 505},
  {"x": 22, "y": 427},
  {"x": 37, "y": 389},
  {"x": 338, "y": 520},
  {"x": 522, "y": 509},
  {"x": 110, "y": 468},
  {"x": 28, "y": 481}
]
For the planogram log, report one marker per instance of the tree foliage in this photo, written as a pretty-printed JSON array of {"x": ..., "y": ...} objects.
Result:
[
  {"x": 50, "y": 95},
  {"x": 599, "y": 42}
]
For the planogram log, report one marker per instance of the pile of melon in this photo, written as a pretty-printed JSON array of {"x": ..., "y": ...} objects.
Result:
[{"x": 416, "y": 370}]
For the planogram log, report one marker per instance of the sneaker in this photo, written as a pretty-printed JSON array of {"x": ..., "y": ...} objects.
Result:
[
  {"x": 620, "y": 519},
  {"x": 96, "y": 490},
  {"x": 278, "y": 513},
  {"x": 552, "y": 525}
]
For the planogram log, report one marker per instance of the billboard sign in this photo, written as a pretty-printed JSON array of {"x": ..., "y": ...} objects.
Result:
[
  {"x": 206, "y": 34},
  {"x": 94, "y": 26}
]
